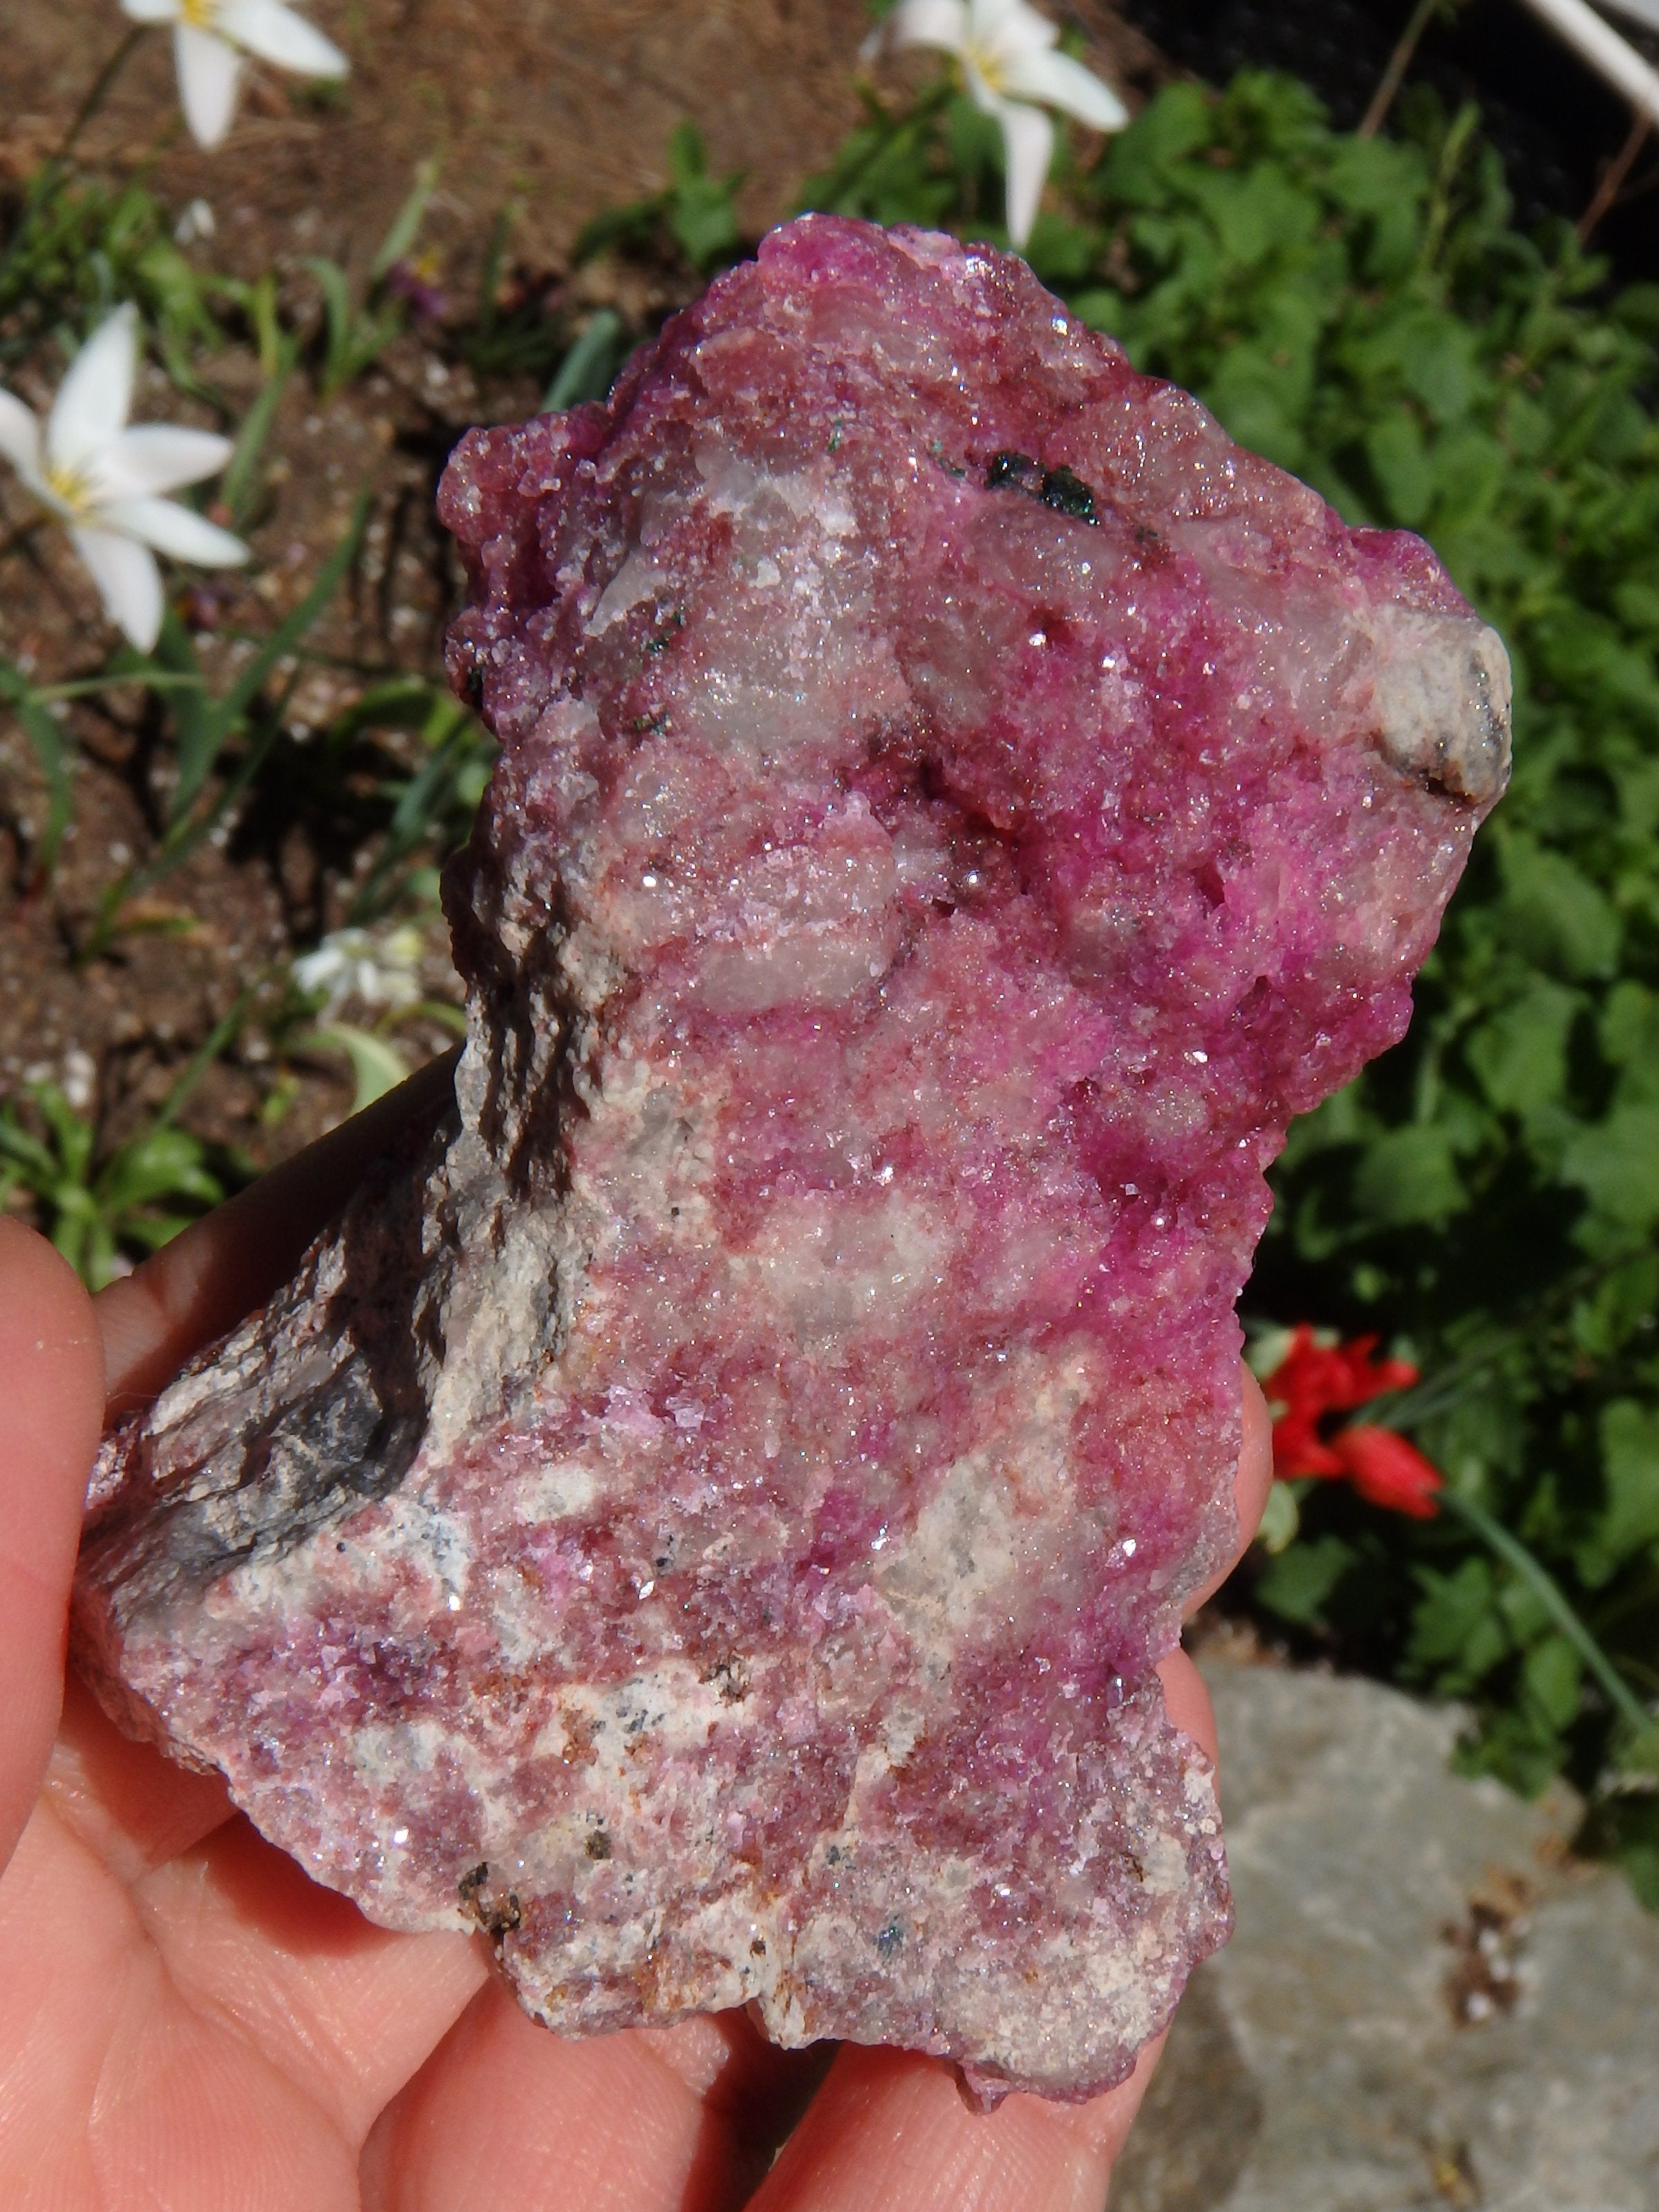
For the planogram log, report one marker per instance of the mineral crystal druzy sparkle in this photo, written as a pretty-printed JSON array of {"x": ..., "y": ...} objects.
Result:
[{"x": 711, "y": 1522}]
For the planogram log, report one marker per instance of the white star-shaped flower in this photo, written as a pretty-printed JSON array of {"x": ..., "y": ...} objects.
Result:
[
  {"x": 354, "y": 963},
  {"x": 104, "y": 481},
  {"x": 1012, "y": 72},
  {"x": 210, "y": 38}
]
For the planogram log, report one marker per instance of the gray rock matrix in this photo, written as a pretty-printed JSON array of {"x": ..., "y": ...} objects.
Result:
[{"x": 1424, "y": 2004}]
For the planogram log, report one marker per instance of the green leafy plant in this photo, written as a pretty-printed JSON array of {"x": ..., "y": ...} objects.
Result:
[
  {"x": 356, "y": 331},
  {"x": 72, "y": 247},
  {"x": 96, "y": 1214},
  {"x": 103, "y": 1211},
  {"x": 1486, "y": 1196}
]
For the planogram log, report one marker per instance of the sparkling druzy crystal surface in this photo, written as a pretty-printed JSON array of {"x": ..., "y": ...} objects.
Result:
[{"x": 712, "y": 1520}]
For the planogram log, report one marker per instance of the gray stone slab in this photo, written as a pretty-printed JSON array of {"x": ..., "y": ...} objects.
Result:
[{"x": 1426, "y": 2003}]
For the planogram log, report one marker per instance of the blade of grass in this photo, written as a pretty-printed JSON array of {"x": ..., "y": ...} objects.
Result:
[
  {"x": 406, "y": 223},
  {"x": 239, "y": 485},
  {"x": 338, "y": 316},
  {"x": 1550, "y": 1595},
  {"x": 218, "y": 1040},
  {"x": 495, "y": 261},
  {"x": 448, "y": 731},
  {"x": 52, "y": 751},
  {"x": 377, "y": 1065},
  {"x": 196, "y": 742},
  {"x": 225, "y": 714},
  {"x": 585, "y": 372}
]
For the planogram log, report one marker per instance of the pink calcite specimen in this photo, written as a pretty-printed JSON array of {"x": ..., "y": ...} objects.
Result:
[{"x": 711, "y": 1521}]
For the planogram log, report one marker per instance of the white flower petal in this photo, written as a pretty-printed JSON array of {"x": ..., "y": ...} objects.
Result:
[
  {"x": 1007, "y": 27},
  {"x": 209, "y": 69},
  {"x": 93, "y": 399},
  {"x": 20, "y": 436},
  {"x": 278, "y": 34},
  {"x": 928, "y": 23},
  {"x": 129, "y": 582},
  {"x": 196, "y": 221},
  {"x": 988, "y": 102},
  {"x": 1059, "y": 82},
  {"x": 1028, "y": 139},
  {"x": 158, "y": 457},
  {"x": 177, "y": 530},
  {"x": 152, "y": 11}
]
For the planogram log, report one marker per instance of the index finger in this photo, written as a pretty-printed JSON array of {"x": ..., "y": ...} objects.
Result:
[{"x": 52, "y": 1389}]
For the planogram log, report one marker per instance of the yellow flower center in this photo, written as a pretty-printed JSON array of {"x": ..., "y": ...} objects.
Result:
[
  {"x": 987, "y": 61},
  {"x": 70, "y": 485},
  {"x": 202, "y": 15}
]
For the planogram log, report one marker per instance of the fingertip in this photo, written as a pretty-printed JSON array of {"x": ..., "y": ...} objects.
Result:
[
  {"x": 51, "y": 1368},
  {"x": 1187, "y": 1700},
  {"x": 1252, "y": 1479},
  {"x": 51, "y": 1386},
  {"x": 1255, "y": 1460}
]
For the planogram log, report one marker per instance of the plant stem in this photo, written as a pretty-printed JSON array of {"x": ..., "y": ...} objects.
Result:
[
  {"x": 89, "y": 687},
  {"x": 1399, "y": 61},
  {"x": 1614, "y": 176},
  {"x": 1549, "y": 1593},
  {"x": 100, "y": 87},
  {"x": 1450, "y": 1384},
  {"x": 218, "y": 1038}
]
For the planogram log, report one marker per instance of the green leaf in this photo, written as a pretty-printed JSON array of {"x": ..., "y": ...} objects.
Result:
[
  {"x": 1521, "y": 1053},
  {"x": 1281, "y": 1519},
  {"x": 1616, "y": 1164},
  {"x": 1409, "y": 1176},
  {"x": 406, "y": 223},
  {"x": 1640, "y": 1862},
  {"x": 1457, "y": 1635},
  {"x": 587, "y": 369},
  {"x": 1401, "y": 466},
  {"x": 1555, "y": 916},
  {"x": 1551, "y": 1675},
  {"x": 1630, "y": 1038},
  {"x": 197, "y": 732},
  {"x": 162, "y": 1163},
  {"x": 378, "y": 1065},
  {"x": 241, "y": 484},
  {"x": 1438, "y": 364},
  {"x": 1629, "y": 1521},
  {"x": 1298, "y": 1583},
  {"x": 337, "y": 310}
]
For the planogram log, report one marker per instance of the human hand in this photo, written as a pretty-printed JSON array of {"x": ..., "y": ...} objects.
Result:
[{"x": 188, "y": 2022}]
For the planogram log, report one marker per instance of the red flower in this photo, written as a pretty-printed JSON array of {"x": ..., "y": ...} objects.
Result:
[
  {"x": 1314, "y": 1381},
  {"x": 1387, "y": 1471}
]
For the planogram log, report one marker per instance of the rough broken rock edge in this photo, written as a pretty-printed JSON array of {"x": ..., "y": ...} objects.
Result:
[{"x": 924, "y": 1795}]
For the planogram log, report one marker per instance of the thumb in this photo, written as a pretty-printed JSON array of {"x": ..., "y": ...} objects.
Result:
[{"x": 51, "y": 1407}]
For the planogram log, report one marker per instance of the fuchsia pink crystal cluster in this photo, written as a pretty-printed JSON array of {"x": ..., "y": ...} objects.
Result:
[{"x": 711, "y": 1521}]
